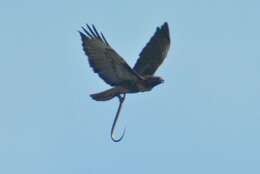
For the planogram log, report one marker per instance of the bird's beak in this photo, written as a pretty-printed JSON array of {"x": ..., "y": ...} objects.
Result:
[{"x": 162, "y": 81}]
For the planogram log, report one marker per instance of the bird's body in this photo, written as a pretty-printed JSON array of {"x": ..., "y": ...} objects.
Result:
[
  {"x": 112, "y": 68},
  {"x": 140, "y": 86}
]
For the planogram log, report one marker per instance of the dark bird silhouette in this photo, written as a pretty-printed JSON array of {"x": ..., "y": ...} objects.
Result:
[{"x": 113, "y": 69}]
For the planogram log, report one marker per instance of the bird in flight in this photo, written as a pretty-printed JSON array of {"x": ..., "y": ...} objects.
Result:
[{"x": 114, "y": 70}]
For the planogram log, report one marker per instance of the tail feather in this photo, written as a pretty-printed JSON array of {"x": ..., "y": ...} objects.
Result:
[{"x": 108, "y": 94}]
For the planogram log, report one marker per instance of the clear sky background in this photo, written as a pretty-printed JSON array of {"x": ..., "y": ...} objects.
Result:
[{"x": 203, "y": 120}]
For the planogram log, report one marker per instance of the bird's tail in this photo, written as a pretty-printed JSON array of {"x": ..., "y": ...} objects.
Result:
[{"x": 108, "y": 94}]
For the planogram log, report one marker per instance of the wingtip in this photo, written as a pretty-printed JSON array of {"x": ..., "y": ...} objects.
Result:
[
  {"x": 82, "y": 35},
  {"x": 165, "y": 29},
  {"x": 88, "y": 25},
  {"x": 165, "y": 25},
  {"x": 80, "y": 32}
]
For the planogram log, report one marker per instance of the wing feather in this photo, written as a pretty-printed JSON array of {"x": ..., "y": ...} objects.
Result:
[
  {"x": 104, "y": 60},
  {"x": 154, "y": 52}
]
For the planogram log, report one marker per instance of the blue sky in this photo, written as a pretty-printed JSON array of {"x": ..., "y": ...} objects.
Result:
[{"x": 203, "y": 119}]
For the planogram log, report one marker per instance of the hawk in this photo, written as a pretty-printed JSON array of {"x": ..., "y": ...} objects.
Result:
[{"x": 114, "y": 70}]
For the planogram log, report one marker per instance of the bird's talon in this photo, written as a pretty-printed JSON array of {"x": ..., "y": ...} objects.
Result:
[{"x": 121, "y": 97}]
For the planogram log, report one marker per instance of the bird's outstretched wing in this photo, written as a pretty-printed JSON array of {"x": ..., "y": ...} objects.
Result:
[
  {"x": 154, "y": 52},
  {"x": 104, "y": 60}
]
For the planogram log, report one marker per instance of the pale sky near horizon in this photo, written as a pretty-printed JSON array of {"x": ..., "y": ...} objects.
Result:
[{"x": 203, "y": 120}]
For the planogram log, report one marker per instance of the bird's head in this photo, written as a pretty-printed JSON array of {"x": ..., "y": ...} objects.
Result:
[{"x": 153, "y": 81}]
